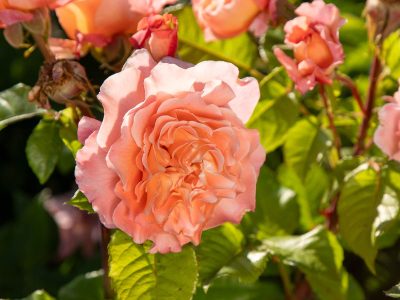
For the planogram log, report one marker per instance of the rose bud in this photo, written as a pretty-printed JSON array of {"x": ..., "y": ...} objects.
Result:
[
  {"x": 172, "y": 156},
  {"x": 314, "y": 38},
  {"x": 98, "y": 22},
  {"x": 158, "y": 34},
  {"x": 383, "y": 17},
  {"x": 387, "y": 135},
  {"x": 222, "y": 19}
]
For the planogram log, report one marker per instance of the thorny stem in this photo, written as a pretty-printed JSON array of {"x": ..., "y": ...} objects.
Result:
[
  {"x": 373, "y": 81},
  {"x": 105, "y": 240},
  {"x": 44, "y": 48},
  {"x": 329, "y": 112},
  {"x": 353, "y": 88}
]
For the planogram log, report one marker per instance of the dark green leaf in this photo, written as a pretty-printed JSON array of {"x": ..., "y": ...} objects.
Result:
[
  {"x": 84, "y": 287},
  {"x": 43, "y": 149},
  {"x": 80, "y": 201},
  {"x": 360, "y": 197},
  {"x": 136, "y": 274}
]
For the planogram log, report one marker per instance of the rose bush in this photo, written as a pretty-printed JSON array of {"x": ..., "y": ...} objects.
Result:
[
  {"x": 171, "y": 157},
  {"x": 314, "y": 38}
]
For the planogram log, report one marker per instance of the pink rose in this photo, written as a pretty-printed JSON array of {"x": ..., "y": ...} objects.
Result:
[
  {"x": 227, "y": 18},
  {"x": 16, "y": 11},
  {"x": 158, "y": 34},
  {"x": 387, "y": 136},
  {"x": 100, "y": 20},
  {"x": 314, "y": 37},
  {"x": 172, "y": 156}
]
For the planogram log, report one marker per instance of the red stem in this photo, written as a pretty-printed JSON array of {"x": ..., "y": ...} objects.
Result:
[
  {"x": 329, "y": 112},
  {"x": 354, "y": 90},
  {"x": 373, "y": 81}
]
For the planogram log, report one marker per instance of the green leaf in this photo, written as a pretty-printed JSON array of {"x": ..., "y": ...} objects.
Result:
[
  {"x": 14, "y": 105},
  {"x": 39, "y": 295},
  {"x": 69, "y": 131},
  {"x": 273, "y": 119},
  {"x": 84, "y": 287},
  {"x": 136, "y": 274},
  {"x": 394, "y": 292},
  {"x": 80, "y": 201},
  {"x": 319, "y": 255},
  {"x": 43, "y": 149},
  {"x": 304, "y": 143},
  {"x": 357, "y": 209},
  {"x": 273, "y": 202},
  {"x": 391, "y": 54},
  {"x": 240, "y": 50}
]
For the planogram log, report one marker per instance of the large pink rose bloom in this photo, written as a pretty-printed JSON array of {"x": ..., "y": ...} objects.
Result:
[
  {"x": 387, "y": 136},
  {"x": 172, "y": 156},
  {"x": 99, "y": 20},
  {"x": 16, "y": 11},
  {"x": 314, "y": 37},
  {"x": 227, "y": 18}
]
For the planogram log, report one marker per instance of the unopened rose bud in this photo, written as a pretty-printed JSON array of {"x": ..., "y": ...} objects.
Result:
[
  {"x": 158, "y": 34},
  {"x": 383, "y": 17},
  {"x": 63, "y": 81}
]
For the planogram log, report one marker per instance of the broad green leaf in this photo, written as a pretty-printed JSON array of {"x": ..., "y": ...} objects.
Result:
[
  {"x": 273, "y": 119},
  {"x": 84, "y": 287},
  {"x": 136, "y": 274},
  {"x": 39, "y": 295},
  {"x": 319, "y": 255},
  {"x": 221, "y": 253},
  {"x": 80, "y": 201},
  {"x": 304, "y": 143},
  {"x": 394, "y": 292},
  {"x": 240, "y": 50},
  {"x": 357, "y": 210},
  {"x": 273, "y": 202},
  {"x": 14, "y": 104},
  {"x": 231, "y": 290},
  {"x": 355, "y": 291},
  {"x": 43, "y": 149},
  {"x": 69, "y": 130},
  {"x": 391, "y": 54}
]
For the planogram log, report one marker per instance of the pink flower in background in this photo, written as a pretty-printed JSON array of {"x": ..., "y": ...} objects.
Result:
[
  {"x": 172, "y": 156},
  {"x": 227, "y": 18},
  {"x": 387, "y": 136},
  {"x": 16, "y": 11},
  {"x": 158, "y": 34},
  {"x": 314, "y": 38},
  {"x": 97, "y": 21}
]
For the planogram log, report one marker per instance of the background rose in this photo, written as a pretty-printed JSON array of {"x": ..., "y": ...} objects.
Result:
[
  {"x": 223, "y": 19},
  {"x": 387, "y": 136},
  {"x": 102, "y": 19},
  {"x": 172, "y": 156},
  {"x": 158, "y": 34},
  {"x": 314, "y": 37}
]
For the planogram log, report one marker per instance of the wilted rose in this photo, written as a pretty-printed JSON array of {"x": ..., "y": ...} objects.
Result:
[
  {"x": 226, "y": 18},
  {"x": 387, "y": 136},
  {"x": 158, "y": 34},
  {"x": 172, "y": 156},
  {"x": 314, "y": 38},
  {"x": 100, "y": 20}
]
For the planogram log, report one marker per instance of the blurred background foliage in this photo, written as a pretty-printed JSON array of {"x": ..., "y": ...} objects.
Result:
[{"x": 44, "y": 245}]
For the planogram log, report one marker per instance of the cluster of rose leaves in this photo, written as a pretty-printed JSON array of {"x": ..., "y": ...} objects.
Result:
[{"x": 172, "y": 156}]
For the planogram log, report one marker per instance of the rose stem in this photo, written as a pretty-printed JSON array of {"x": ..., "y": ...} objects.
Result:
[
  {"x": 105, "y": 240},
  {"x": 44, "y": 49},
  {"x": 329, "y": 112},
  {"x": 373, "y": 81},
  {"x": 353, "y": 88},
  {"x": 287, "y": 285}
]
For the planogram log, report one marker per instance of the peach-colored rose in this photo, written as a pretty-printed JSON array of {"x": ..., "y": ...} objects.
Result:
[
  {"x": 171, "y": 157},
  {"x": 100, "y": 20},
  {"x": 227, "y": 18},
  {"x": 314, "y": 37},
  {"x": 16, "y": 11},
  {"x": 158, "y": 34},
  {"x": 387, "y": 136}
]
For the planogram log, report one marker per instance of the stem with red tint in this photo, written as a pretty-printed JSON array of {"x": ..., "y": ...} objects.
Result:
[{"x": 354, "y": 90}]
